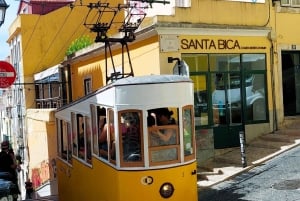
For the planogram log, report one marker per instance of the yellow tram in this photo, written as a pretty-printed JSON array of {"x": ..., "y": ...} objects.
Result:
[{"x": 132, "y": 140}]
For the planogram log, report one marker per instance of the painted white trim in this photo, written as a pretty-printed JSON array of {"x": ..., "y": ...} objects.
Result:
[{"x": 212, "y": 31}]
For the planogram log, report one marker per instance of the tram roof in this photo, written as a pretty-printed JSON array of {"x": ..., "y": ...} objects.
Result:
[
  {"x": 148, "y": 79},
  {"x": 138, "y": 80}
]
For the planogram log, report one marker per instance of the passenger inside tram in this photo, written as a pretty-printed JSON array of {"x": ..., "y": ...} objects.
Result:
[
  {"x": 162, "y": 136},
  {"x": 81, "y": 140},
  {"x": 163, "y": 131},
  {"x": 103, "y": 147},
  {"x": 131, "y": 136},
  {"x": 102, "y": 134},
  {"x": 107, "y": 135}
]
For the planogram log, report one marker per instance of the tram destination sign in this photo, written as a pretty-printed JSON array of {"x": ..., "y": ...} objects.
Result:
[{"x": 7, "y": 74}]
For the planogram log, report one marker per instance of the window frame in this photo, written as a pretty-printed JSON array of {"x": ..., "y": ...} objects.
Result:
[
  {"x": 64, "y": 140},
  {"x": 123, "y": 163},
  {"x": 112, "y": 142},
  {"x": 74, "y": 134},
  {"x": 87, "y": 83},
  {"x": 243, "y": 71},
  {"x": 164, "y": 147},
  {"x": 193, "y": 142}
]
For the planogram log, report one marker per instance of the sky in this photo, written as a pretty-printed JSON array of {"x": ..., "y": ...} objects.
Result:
[{"x": 11, "y": 14}]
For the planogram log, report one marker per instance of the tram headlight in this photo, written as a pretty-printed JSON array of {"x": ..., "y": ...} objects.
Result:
[{"x": 166, "y": 190}]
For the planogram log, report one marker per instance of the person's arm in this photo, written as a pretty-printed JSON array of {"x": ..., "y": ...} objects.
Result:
[
  {"x": 13, "y": 164},
  {"x": 164, "y": 136},
  {"x": 103, "y": 135}
]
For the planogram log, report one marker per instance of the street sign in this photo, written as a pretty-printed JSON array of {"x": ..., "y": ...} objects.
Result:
[{"x": 7, "y": 74}]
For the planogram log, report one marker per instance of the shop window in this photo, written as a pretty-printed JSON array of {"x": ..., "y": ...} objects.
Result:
[
  {"x": 200, "y": 99},
  {"x": 198, "y": 67},
  {"x": 235, "y": 79},
  {"x": 255, "y": 86}
]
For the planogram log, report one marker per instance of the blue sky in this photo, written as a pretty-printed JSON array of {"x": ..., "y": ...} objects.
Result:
[{"x": 11, "y": 14}]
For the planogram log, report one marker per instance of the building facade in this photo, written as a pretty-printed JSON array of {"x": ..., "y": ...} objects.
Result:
[
  {"x": 39, "y": 38},
  {"x": 245, "y": 69}
]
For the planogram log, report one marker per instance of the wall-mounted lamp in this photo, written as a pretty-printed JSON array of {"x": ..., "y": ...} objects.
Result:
[
  {"x": 180, "y": 68},
  {"x": 3, "y": 7},
  {"x": 171, "y": 59}
]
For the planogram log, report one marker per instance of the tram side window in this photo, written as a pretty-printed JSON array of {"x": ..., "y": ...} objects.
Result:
[
  {"x": 80, "y": 136},
  {"x": 88, "y": 139},
  {"x": 69, "y": 140},
  {"x": 64, "y": 140},
  {"x": 98, "y": 118},
  {"x": 102, "y": 132},
  {"x": 111, "y": 138},
  {"x": 130, "y": 128},
  {"x": 188, "y": 132},
  {"x": 74, "y": 134},
  {"x": 94, "y": 129},
  {"x": 163, "y": 135}
]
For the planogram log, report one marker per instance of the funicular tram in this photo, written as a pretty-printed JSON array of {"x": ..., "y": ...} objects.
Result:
[
  {"x": 133, "y": 162},
  {"x": 131, "y": 140}
]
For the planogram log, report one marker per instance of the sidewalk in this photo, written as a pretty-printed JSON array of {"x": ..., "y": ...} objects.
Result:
[{"x": 259, "y": 150}]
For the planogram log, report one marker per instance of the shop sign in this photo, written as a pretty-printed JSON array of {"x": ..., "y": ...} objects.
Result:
[{"x": 214, "y": 44}]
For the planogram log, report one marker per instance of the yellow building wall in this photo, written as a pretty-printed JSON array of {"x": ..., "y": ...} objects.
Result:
[
  {"x": 42, "y": 141},
  {"x": 221, "y": 13},
  {"x": 86, "y": 69},
  {"x": 45, "y": 38},
  {"x": 287, "y": 28},
  {"x": 144, "y": 58},
  {"x": 285, "y": 37}
]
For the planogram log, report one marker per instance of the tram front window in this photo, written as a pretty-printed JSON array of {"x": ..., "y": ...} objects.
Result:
[
  {"x": 130, "y": 136},
  {"x": 163, "y": 135}
]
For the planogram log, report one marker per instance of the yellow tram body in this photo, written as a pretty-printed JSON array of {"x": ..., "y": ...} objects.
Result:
[
  {"x": 151, "y": 172},
  {"x": 104, "y": 183}
]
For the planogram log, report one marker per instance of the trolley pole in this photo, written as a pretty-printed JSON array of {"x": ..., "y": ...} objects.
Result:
[{"x": 243, "y": 148}]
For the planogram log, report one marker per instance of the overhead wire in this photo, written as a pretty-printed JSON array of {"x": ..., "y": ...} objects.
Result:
[
  {"x": 69, "y": 39},
  {"x": 68, "y": 42}
]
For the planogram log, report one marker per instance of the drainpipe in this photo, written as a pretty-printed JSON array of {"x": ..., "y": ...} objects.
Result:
[{"x": 272, "y": 39}]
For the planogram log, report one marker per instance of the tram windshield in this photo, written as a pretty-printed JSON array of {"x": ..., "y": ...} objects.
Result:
[{"x": 163, "y": 135}]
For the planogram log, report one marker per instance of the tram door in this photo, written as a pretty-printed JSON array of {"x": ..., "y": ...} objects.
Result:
[{"x": 227, "y": 110}]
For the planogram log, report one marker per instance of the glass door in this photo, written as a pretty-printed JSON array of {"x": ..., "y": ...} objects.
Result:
[{"x": 227, "y": 110}]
